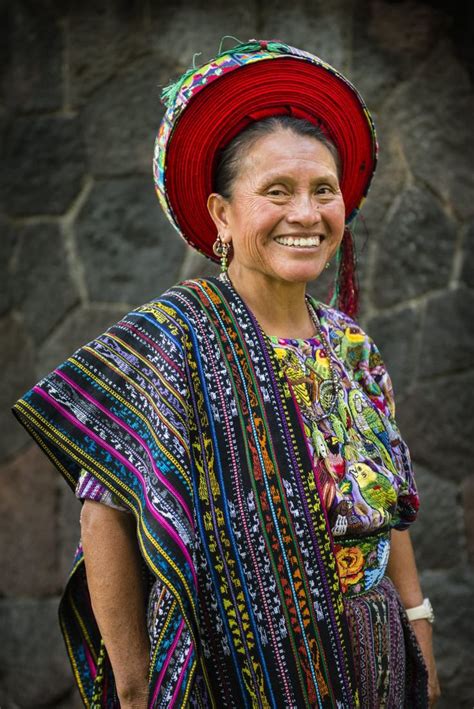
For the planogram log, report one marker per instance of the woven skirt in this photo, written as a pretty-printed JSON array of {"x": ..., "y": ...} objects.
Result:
[{"x": 389, "y": 665}]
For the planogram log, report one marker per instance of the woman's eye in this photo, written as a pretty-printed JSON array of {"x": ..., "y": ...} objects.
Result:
[{"x": 276, "y": 192}]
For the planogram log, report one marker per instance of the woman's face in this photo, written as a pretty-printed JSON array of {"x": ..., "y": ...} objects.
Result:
[{"x": 285, "y": 218}]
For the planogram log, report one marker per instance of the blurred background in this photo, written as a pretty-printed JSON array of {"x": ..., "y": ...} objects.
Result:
[{"x": 83, "y": 241}]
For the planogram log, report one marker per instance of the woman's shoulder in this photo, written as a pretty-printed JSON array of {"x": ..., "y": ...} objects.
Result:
[
  {"x": 337, "y": 320},
  {"x": 175, "y": 300},
  {"x": 349, "y": 339}
]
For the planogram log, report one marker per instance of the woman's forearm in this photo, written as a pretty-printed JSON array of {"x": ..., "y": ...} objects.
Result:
[
  {"x": 114, "y": 576},
  {"x": 402, "y": 569},
  {"x": 404, "y": 575}
]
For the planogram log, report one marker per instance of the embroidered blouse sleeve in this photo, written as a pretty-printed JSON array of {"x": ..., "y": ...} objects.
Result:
[
  {"x": 89, "y": 488},
  {"x": 373, "y": 376}
]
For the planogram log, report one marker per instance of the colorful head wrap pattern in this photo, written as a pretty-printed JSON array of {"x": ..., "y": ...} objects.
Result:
[{"x": 245, "y": 84}]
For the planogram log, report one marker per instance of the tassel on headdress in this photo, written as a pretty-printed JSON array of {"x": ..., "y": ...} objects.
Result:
[
  {"x": 170, "y": 92},
  {"x": 345, "y": 296}
]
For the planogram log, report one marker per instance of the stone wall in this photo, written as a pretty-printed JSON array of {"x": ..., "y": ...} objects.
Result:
[{"x": 83, "y": 240}]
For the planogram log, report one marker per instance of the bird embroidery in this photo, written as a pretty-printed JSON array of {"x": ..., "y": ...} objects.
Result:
[{"x": 375, "y": 489}]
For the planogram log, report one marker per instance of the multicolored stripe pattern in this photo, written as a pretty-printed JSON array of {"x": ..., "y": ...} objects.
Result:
[{"x": 178, "y": 411}]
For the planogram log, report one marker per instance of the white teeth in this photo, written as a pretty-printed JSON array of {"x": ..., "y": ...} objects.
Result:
[{"x": 307, "y": 241}]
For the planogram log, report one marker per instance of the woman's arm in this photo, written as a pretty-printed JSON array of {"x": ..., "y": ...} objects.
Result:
[
  {"x": 114, "y": 576},
  {"x": 402, "y": 570}
]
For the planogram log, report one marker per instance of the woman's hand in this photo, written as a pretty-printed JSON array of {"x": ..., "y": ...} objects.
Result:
[
  {"x": 402, "y": 570},
  {"x": 424, "y": 635}
]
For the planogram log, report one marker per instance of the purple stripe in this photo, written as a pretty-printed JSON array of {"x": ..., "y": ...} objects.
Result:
[
  {"x": 167, "y": 661},
  {"x": 134, "y": 435},
  {"x": 154, "y": 345},
  {"x": 161, "y": 520}
]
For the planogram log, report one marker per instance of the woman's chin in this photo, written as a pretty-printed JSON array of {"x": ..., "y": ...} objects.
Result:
[{"x": 301, "y": 273}]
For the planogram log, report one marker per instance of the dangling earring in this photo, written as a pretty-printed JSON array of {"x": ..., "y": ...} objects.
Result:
[
  {"x": 221, "y": 249},
  {"x": 328, "y": 264}
]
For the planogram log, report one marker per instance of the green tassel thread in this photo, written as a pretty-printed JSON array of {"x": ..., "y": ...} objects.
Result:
[{"x": 170, "y": 92}]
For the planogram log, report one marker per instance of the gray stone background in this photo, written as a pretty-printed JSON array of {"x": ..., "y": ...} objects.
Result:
[{"x": 83, "y": 241}]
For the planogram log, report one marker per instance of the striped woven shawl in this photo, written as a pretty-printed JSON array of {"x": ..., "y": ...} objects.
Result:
[{"x": 180, "y": 409}]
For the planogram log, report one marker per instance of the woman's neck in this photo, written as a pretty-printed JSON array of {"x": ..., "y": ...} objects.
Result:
[{"x": 279, "y": 307}]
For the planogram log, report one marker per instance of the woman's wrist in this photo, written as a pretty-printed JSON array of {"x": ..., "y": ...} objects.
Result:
[{"x": 422, "y": 611}]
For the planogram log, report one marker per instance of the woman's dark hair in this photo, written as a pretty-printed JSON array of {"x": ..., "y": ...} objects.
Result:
[{"x": 229, "y": 159}]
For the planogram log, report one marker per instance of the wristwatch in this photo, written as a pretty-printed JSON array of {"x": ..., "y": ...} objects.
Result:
[{"x": 423, "y": 611}]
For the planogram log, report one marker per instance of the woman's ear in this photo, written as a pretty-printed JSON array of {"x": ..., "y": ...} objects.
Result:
[{"x": 218, "y": 208}]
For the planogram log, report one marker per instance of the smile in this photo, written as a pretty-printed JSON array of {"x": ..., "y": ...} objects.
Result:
[{"x": 305, "y": 242}]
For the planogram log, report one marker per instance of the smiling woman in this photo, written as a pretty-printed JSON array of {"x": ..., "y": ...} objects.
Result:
[
  {"x": 284, "y": 220},
  {"x": 246, "y": 489}
]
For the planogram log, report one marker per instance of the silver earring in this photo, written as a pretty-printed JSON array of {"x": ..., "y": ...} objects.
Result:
[{"x": 327, "y": 264}]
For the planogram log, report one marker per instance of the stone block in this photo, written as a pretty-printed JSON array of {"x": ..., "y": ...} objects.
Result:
[
  {"x": 44, "y": 164},
  {"x": 468, "y": 516},
  {"x": 406, "y": 32},
  {"x": 7, "y": 244},
  {"x": 437, "y": 534},
  {"x": 195, "y": 265},
  {"x": 432, "y": 114},
  {"x": 34, "y": 42},
  {"x": 389, "y": 181},
  {"x": 373, "y": 72},
  {"x": 449, "y": 315},
  {"x": 395, "y": 334},
  {"x": 103, "y": 36},
  {"x": 406, "y": 264},
  {"x": 467, "y": 272},
  {"x": 17, "y": 368},
  {"x": 129, "y": 250},
  {"x": 35, "y": 667},
  {"x": 128, "y": 111},
  {"x": 452, "y": 595},
  {"x": 28, "y": 531},
  {"x": 44, "y": 289},
  {"x": 181, "y": 29},
  {"x": 79, "y": 327},
  {"x": 435, "y": 421},
  {"x": 315, "y": 27}
]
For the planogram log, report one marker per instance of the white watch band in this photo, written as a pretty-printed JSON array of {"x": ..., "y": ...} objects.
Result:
[{"x": 423, "y": 611}]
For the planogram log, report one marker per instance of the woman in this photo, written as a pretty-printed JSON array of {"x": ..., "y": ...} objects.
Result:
[{"x": 250, "y": 545}]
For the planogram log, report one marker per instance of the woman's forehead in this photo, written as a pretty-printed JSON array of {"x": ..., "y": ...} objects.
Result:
[{"x": 283, "y": 152}]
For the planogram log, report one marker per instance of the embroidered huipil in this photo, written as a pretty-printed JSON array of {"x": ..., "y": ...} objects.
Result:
[{"x": 265, "y": 532}]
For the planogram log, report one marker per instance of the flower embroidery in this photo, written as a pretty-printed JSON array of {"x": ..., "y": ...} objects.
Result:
[{"x": 350, "y": 562}]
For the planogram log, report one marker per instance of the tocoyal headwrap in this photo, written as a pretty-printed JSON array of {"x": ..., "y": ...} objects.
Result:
[{"x": 209, "y": 105}]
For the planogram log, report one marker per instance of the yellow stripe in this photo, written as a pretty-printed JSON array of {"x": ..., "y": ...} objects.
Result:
[
  {"x": 160, "y": 637},
  {"x": 147, "y": 363},
  {"x": 66, "y": 444},
  {"x": 132, "y": 408},
  {"x": 72, "y": 659}
]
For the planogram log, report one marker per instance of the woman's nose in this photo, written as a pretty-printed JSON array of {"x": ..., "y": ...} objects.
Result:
[{"x": 304, "y": 210}]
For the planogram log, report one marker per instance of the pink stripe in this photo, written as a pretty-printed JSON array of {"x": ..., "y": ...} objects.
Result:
[
  {"x": 134, "y": 435},
  {"x": 167, "y": 661},
  {"x": 128, "y": 465},
  {"x": 90, "y": 661},
  {"x": 180, "y": 681}
]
